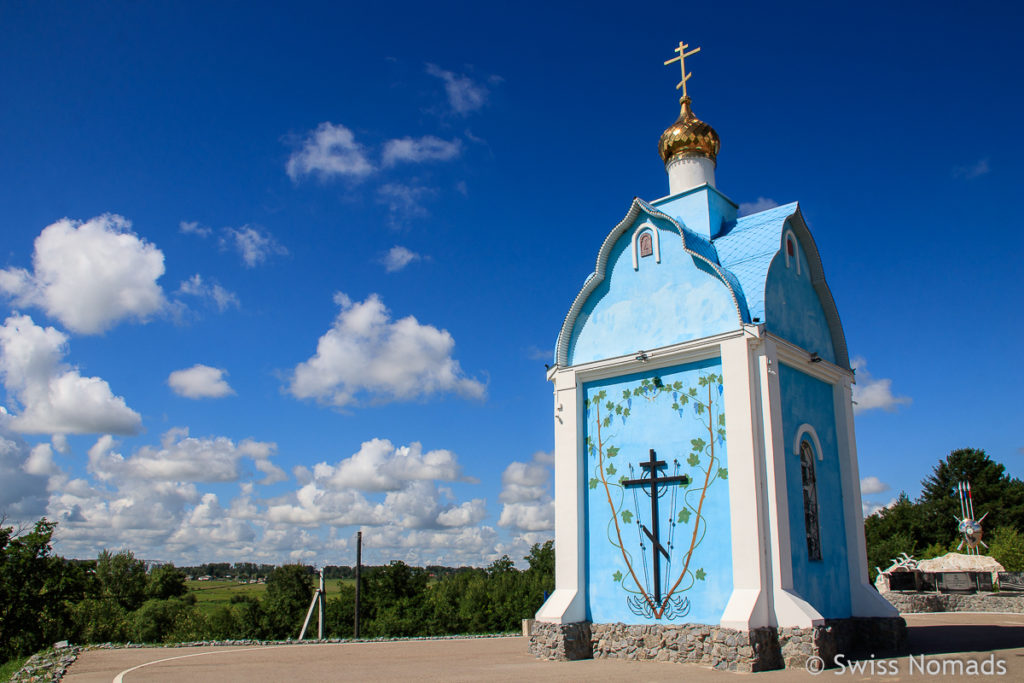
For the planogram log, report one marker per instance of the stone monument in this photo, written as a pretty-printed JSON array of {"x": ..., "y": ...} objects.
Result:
[{"x": 706, "y": 485}]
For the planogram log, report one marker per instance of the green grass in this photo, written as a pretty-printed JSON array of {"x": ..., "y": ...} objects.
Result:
[
  {"x": 212, "y": 594},
  {"x": 8, "y": 669}
]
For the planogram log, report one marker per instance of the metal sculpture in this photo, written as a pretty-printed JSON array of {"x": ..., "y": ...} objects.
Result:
[{"x": 967, "y": 524}]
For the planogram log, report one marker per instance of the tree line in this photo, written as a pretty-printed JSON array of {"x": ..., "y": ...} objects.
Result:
[
  {"x": 927, "y": 527},
  {"x": 45, "y": 598}
]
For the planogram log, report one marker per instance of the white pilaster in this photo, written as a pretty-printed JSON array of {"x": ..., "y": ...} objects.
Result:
[
  {"x": 567, "y": 603},
  {"x": 788, "y": 607},
  {"x": 865, "y": 601},
  {"x": 748, "y": 606}
]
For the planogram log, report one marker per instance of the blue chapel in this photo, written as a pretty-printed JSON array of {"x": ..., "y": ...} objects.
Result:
[{"x": 705, "y": 461}]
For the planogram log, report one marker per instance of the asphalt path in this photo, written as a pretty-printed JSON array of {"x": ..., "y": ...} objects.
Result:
[{"x": 943, "y": 647}]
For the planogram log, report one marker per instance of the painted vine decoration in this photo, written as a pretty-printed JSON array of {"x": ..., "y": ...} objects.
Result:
[{"x": 705, "y": 400}]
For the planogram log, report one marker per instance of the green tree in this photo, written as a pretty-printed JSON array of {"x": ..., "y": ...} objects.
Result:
[
  {"x": 992, "y": 490},
  {"x": 1006, "y": 545},
  {"x": 166, "y": 581},
  {"x": 892, "y": 531},
  {"x": 289, "y": 592},
  {"x": 397, "y": 599},
  {"x": 25, "y": 567},
  {"x": 122, "y": 578}
]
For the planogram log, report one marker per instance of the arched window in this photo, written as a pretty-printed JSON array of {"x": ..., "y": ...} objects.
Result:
[
  {"x": 792, "y": 255},
  {"x": 646, "y": 244},
  {"x": 810, "y": 501}
]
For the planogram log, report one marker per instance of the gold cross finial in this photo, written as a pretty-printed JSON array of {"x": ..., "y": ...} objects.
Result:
[{"x": 683, "y": 54}]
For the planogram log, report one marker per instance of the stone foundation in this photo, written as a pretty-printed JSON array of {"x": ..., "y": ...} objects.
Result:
[
  {"x": 759, "y": 649},
  {"x": 909, "y": 603}
]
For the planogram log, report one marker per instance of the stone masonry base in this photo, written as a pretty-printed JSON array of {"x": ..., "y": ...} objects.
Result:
[
  {"x": 759, "y": 649},
  {"x": 937, "y": 602}
]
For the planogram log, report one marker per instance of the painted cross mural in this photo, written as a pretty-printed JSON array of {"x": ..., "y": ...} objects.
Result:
[{"x": 660, "y": 560}]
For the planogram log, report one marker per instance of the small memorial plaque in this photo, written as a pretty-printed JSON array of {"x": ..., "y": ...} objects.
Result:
[
  {"x": 1011, "y": 581},
  {"x": 902, "y": 581},
  {"x": 983, "y": 580},
  {"x": 956, "y": 582}
]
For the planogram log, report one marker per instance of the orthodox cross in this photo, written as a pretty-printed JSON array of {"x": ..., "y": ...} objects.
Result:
[
  {"x": 652, "y": 467},
  {"x": 681, "y": 57}
]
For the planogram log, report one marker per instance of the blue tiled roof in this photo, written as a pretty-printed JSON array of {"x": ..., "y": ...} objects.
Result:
[{"x": 747, "y": 249}]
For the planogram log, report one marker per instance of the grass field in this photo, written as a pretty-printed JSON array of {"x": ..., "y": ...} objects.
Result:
[{"x": 212, "y": 594}]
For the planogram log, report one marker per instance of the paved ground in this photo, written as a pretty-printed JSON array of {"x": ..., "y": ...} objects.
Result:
[{"x": 990, "y": 640}]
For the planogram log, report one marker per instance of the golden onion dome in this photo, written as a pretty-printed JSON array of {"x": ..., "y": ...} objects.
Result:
[{"x": 688, "y": 137}]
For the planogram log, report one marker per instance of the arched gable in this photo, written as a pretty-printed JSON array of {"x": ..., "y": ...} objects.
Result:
[
  {"x": 687, "y": 264},
  {"x": 798, "y": 304}
]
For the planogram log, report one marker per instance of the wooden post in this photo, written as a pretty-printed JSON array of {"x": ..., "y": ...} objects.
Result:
[
  {"x": 359, "y": 566},
  {"x": 323, "y": 606}
]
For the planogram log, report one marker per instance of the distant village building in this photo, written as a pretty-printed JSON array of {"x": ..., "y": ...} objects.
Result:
[{"x": 705, "y": 462}]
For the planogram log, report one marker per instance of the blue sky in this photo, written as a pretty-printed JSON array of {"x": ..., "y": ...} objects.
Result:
[{"x": 271, "y": 274}]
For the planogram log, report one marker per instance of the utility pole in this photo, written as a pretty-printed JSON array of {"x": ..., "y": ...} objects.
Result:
[
  {"x": 318, "y": 595},
  {"x": 359, "y": 566}
]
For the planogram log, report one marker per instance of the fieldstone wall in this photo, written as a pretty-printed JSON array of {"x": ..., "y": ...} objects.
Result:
[
  {"x": 564, "y": 642},
  {"x": 759, "y": 649},
  {"x": 719, "y": 648},
  {"x": 908, "y": 603}
]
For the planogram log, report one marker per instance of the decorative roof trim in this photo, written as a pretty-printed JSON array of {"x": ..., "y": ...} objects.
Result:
[
  {"x": 828, "y": 304},
  {"x": 598, "y": 276}
]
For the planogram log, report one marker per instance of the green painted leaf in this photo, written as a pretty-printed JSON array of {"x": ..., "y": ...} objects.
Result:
[
  {"x": 721, "y": 419},
  {"x": 627, "y": 516},
  {"x": 618, "y": 409},
  {"x": 601, "y": 394},
  {"x": 698, "y": 444},
  {"x": 607, "y": 422},
  {"x": 617, "y": 576},
  {"x": 610, "y": 470},
  {"x": 612, "y": 451},
  {"x": 625, "y": 412},
  {"x": 702, "y": 381},
  {"x": 593, "y": 482},
  {"x": 693, "y": 391},
  {"x": 684, "y": 516},
  {"x": 622, "y": 480},
  {"x": 700, "y": 408},
  {"x": 723, "y": 473},
  {"x": 677, "y": 385},
  {"x": 683, "y": 399},
  {"x": 609, "y": 406},
  {"x": 700, "y": 575},
  {"x": 675, "y": 406},
  {"x": 693, "y": 460},
  {"x": 625, "y": 393}
]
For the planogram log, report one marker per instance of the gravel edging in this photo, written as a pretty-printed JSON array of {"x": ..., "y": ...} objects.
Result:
[{"x": 50, "y": 665}]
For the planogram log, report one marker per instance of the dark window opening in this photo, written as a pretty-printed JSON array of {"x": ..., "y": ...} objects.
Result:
[
  {"x": 789, "y": 247},
  {"x": 810, "y": 501}
]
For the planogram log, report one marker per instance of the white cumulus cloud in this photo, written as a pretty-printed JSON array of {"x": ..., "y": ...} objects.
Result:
[
  {"x": 222, "y": 298},
  {"x": 367, "y": 354},
  {"x": 90, "y": 275},
  {"x": 328, "y": 152},
  {"x": 200, "y": 381},
  {"x": 757, "y": 206},
  {"x": 381, "y": 466},
  {"x": 399, "y": 257},
  {"x": 526, "y": 494},
  {"x": 54, "y": 397},
  {"x": 871, "y": 393},
  {"x": 419, "y": 150},
  {"x": 254, "y": 245},
  {"x": 181, "y": 458},
  {"x": 464, "y": 94},
  {"x": 872, "y": 485}
]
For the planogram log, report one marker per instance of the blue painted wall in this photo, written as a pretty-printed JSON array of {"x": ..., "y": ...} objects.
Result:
[
  {"x": 792, "y": 308},
  {"x": 825, "y": 584},
  {"x": 625, "y": 417},
  {"x": 660, "y": 304},
  {"x": 704, "y": 210}
]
